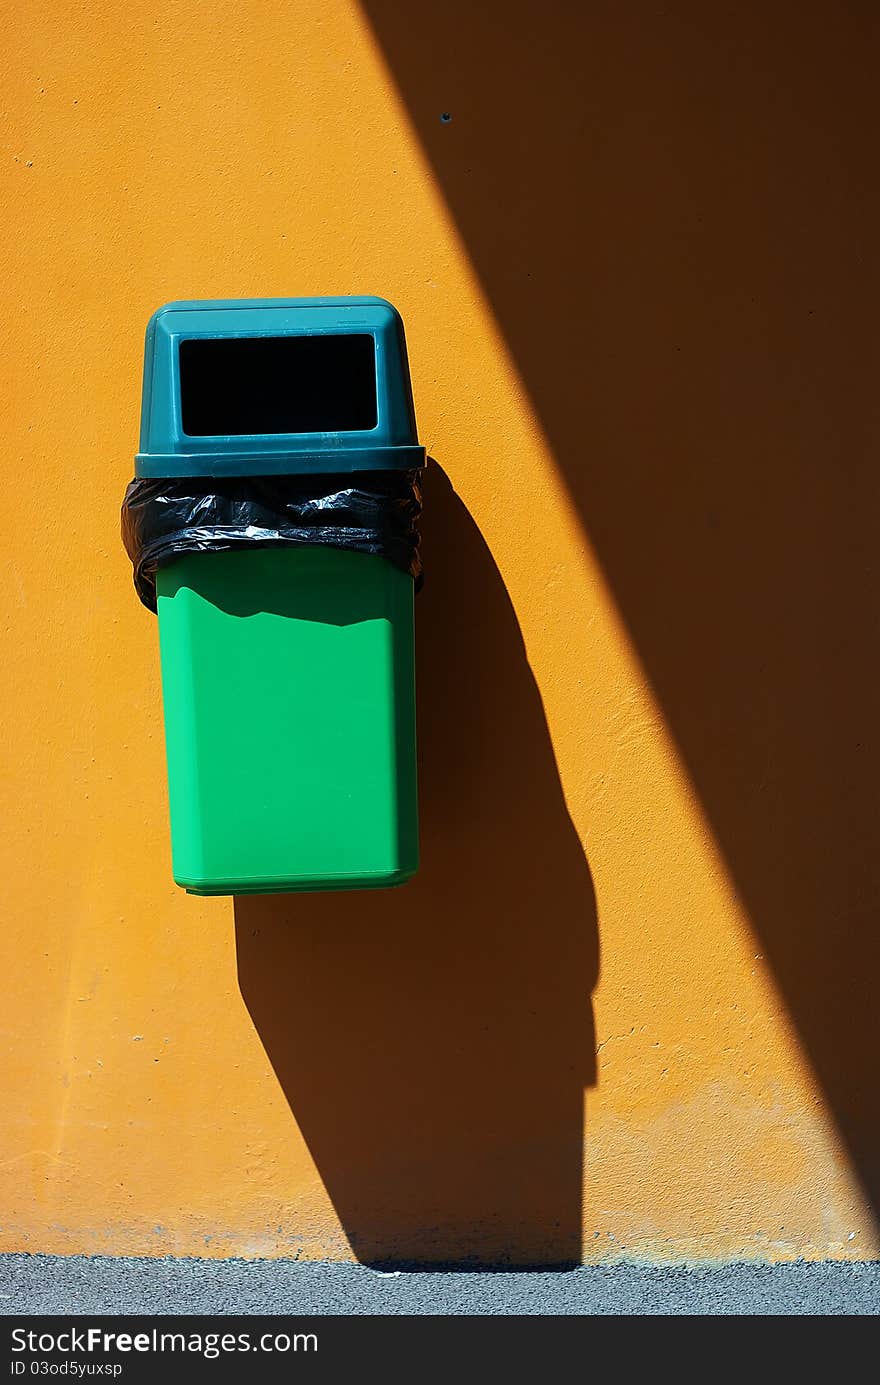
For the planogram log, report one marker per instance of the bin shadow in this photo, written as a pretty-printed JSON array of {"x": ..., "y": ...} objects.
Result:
[{"x": 434, "y": 1042}]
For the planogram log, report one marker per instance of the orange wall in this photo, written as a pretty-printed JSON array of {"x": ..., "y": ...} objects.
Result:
[{"x": 627, "y": 1005}]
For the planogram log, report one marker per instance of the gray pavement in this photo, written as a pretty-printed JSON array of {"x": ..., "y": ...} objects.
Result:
[{"x": 83, "y": 1285}]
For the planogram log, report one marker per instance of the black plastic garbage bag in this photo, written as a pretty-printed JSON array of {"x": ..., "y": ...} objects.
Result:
[{"x": 367, "y": 511}]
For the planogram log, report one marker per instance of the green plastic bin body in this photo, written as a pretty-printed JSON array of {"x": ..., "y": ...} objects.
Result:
[{"x": 289, "y": 697}]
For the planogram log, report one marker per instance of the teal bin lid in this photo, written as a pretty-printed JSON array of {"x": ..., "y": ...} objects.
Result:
[{"x": 276, "y": 386}]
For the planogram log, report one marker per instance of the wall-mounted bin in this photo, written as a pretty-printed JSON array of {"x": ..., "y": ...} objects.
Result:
[{"x": 278, "y": 485}]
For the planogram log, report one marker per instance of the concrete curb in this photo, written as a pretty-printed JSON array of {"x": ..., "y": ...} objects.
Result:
[{"x": 82, "y": 1285}]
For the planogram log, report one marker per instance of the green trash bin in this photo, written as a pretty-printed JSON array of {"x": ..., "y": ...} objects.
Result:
[{"x": 287, "y": 670}]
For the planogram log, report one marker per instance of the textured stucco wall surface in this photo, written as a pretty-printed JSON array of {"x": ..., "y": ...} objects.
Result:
[{"x": 626, "y": 1007}]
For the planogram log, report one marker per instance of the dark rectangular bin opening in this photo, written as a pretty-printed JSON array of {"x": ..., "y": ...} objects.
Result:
[{"x": 239, "y": 385}]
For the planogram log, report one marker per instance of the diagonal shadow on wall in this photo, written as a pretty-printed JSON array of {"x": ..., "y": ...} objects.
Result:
[
  {"x": 434, "y": 1042},
  {"x": 670, "y": 212}
]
